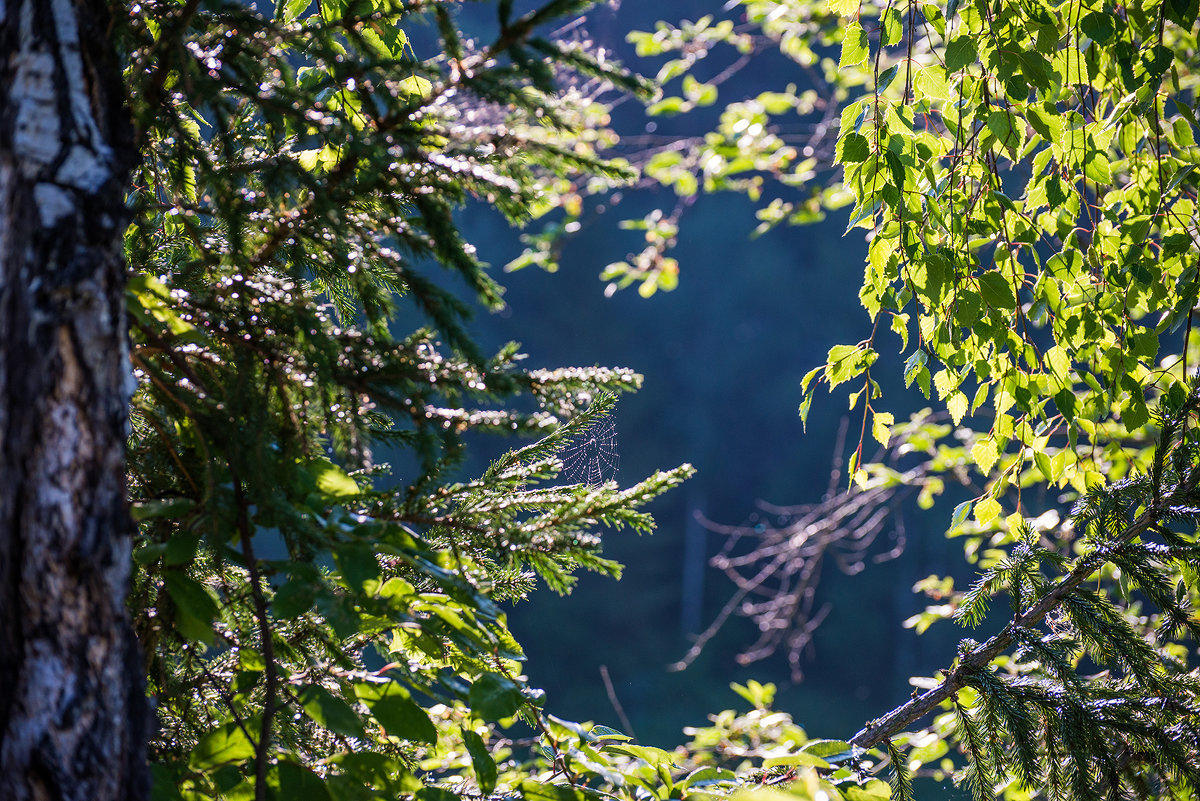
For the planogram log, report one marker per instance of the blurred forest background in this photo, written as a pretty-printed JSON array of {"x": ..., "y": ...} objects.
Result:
[{"x": 722, "y": 356}]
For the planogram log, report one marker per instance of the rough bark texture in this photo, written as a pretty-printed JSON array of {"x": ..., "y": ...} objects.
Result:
[{"x": 72, "y": 709}]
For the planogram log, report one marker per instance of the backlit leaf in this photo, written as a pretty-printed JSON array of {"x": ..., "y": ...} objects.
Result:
[{"x": 855, "y": 46}]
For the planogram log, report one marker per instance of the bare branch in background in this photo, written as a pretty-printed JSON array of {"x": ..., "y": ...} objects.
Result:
[{"x": 776, "y": 559}]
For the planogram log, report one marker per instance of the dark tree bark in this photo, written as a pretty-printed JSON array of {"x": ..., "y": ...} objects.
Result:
[{"x": 72, "y": 708}]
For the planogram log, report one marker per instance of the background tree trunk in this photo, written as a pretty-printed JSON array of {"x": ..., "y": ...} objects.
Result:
[{"x": 72, "y": 709}]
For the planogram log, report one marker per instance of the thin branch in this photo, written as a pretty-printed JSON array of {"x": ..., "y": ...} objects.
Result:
[
  {"x": 616, "y": 702},
  {"x": 977, "y": 659},
  {"x": 265, "y": 636}
]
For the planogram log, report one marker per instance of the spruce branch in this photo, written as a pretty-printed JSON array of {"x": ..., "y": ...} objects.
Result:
[
  {"x": 977, "y": 658},
  {"x": 1103, "y": 515}
]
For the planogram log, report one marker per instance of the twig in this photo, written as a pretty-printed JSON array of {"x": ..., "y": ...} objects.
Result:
[
  {"x": 977, "y": 659},
  {"x": 616, "y": 703},
  {"x": 268, "y": 649}
]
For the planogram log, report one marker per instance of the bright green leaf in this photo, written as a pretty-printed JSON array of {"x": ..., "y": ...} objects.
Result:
[{"x": 855, "y": 46}]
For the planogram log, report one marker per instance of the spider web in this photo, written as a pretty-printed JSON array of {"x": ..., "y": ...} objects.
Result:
[{"x": 592, "y": 458}]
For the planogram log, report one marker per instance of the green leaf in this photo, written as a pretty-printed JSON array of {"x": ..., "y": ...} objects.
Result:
[
  {"x": 844, "y": 8},
  {"x": 608, "y": 733},
  {"x": 1000, "y": 123},
  {"x": 997, "y": 292},
  {"x": 649, "y": 754},
  {"x": 1047, "y": 122},
  {"x": 855, "y": 46},
  {"x": 826, "y": 748},
  {"x": 1042, "y": 460},
  {"x": 667, "y": 107},
  {"x": 309, "y": 159},
  {"x": 1156, "y": 62},
  {"x": 415, "y": 85},
  {"x": 873, "y": 790},
  {"x": 986, "y": 511},
  {"x": 708, "y": 775},
  {"x": 164, "y": 784},
  {"x": 294, "y": 598},
  {"x": 914, "y": 364},
  {"x": 957, "y": 405},
  {"x": 1176, "y": 244},
  {"x": 289, "y": 781},
  {"x": 863, "y": 211},
  {"x": 357, "y": 563},
  {"x": 800, "y": 759},
  {"x": 1180, "y": 174},
  {"x": 1134, "y": 413},
  {"x": 481, "y": 761},
  {"x": 985, "y": 454},
  {"x": 1183, "y": 13},
  {"x": 1182, "y": 131},
  {"x": 533, "y": 790},
  {"x": 1097, "y": 26},
  {"x": 494, "y": 697},
  {"x": 960, "y": 514},
  {"x": 431, "y": 793},
  {"x": 225, "y": 744},
  {"x": 931, "y": 83},
  {"x": 847, "y": 361},
  {"x": 930, "y": 278},
  {"x": 805, "y": 407},
  {"x": 1064, "y": 401},
  {"x": 1096, "y": 167},
  {"x": 886, "y": 77},
  {"x": 855, "y": 148},
  {"x": 960, "y": 53},
  {"x": 881, "y": 423},
  {"x": 181, "y": 548},
  {"x": 1055, "y": 195},
  {"x": 386, "y": 772},
  {"x": 148, "y": 299},
  {"x": 195, "y": 607},
  {"x": 1059, "y": 363},
  {"x": 891, "y": 27},
  {"x": 702, "y": 94},
  {"x": 395, "y": 710},
  {"x": 164, "y": 508},
  {"x": 331, "y": 479},
  {"x": 330, "y": 711},
  {"x": 896, "y": 168},
  {"x": 290, "y": 10}
]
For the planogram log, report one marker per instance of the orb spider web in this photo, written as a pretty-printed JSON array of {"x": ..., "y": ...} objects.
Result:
[{"x": 591, "y": 457}]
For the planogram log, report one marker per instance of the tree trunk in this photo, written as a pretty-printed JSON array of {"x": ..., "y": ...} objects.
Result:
[{"x": 72, "y": 707}]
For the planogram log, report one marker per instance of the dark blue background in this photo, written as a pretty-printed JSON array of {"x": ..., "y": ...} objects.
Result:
[{"x": 723, "y": 357}]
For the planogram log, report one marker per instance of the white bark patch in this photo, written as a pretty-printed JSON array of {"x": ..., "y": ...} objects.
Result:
[
  {"x": 67, "y": 28},
  {"x": 65, "y": 425},
  {"x": 82, "y": 170},
  {"x": 53, "y": 203},
  {"x": 35, "y": 132}
]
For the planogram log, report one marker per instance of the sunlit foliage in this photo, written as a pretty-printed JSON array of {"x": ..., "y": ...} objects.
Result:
[
  {"x": 319, "y": 624},
  {"x": 313, "y": 619},
  {"x": 1025, "y": 175}
]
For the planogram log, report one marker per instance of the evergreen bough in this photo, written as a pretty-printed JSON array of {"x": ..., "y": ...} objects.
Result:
[{"x": 299, "y": 295}]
